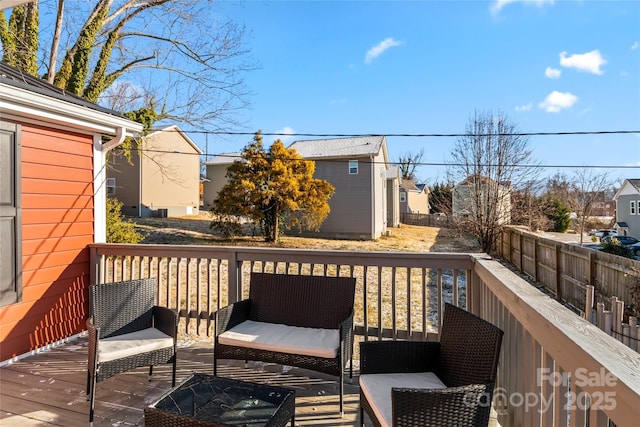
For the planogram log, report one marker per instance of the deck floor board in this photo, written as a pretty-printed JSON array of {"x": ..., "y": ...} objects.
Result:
[{"x": 48, "y": 388}]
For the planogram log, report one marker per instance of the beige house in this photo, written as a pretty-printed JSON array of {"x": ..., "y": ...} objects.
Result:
[
  {"x": 163, "y": 178},
  {"x": 484, "y": 196},
  {"x": 413, "y": 198}
]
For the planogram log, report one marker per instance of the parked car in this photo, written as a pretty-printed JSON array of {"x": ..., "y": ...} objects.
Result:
[
  {"x": 624, "y": 240},
  {"x": 602, "y": 233},
  {"x": 635, "y": 248}
]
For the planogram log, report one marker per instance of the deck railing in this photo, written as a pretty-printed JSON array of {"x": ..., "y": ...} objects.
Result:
[{"x": 555, "y": 367}]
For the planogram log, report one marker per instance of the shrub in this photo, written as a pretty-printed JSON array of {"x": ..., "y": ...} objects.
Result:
[
  {"x": 119, "y": 230},
  {"x": 613, "y": 246}
]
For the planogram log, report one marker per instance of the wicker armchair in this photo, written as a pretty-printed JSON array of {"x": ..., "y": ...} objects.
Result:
[
  {"x": 127, "y": 330},
  {"x": 461, "y": 368}
]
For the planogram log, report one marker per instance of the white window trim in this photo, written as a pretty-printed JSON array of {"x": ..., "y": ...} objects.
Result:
[
  {"x": 633, "y": 208},
  {"x": 111, "y": 186},
  {"x": 351, "y": 166}
]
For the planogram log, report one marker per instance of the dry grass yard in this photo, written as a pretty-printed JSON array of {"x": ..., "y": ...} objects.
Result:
[{"x": 194, "y": 230}]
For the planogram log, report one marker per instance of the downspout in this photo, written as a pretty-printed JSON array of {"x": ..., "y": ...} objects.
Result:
[
  {"x": 121, "y": 134},
  {"x": 139, "y": 184},
  {"x": 100, "y": 178}
]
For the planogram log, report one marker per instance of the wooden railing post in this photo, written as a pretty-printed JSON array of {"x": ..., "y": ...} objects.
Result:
[
  {"x": 234, "y": 278},
  {"x": 521, "y": 248},
  {"x": 593, "y": 256},
  {"x": 558, "y": 255},
  {"x": 588, "y": 306},
  {"x": 535, "y": 259}
]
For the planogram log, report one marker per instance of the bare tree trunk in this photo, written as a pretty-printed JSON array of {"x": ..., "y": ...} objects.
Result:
[{"x": 55, "y": 42}]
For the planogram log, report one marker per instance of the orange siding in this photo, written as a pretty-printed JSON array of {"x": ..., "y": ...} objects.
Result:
[
  {"x": 57, "y": 226},
  {"x": 52, "y": 186},
  {"x": 43, "y": 231}
]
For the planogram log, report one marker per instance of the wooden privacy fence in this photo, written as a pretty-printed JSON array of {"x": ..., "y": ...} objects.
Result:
[
  {"x": 587, "y": 279},
  {"x": 427, "y": 220}
]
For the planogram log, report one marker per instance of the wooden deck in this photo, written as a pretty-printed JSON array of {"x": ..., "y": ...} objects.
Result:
[{"x": 48, "y": 389}]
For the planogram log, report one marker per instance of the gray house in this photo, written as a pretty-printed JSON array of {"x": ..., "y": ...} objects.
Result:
[
  {"x": 216, "y": 170},
  {"x": 628, "y": 208},
  {"x": 393, "y": 196},
  {"x": 357, "y": 168}
]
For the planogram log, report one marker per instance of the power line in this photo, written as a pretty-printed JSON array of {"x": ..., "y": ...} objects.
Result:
[
  {"x": 532, "y": 166},
  {"x": 412, "y": 135}
]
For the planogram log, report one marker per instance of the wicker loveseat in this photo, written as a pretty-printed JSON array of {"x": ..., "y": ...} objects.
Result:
[
  {"x": 445, "y": 383},
  {"x": 314, "y": 313}
]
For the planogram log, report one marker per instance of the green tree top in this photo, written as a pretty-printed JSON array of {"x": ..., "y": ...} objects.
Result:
[{"x": 269, "y": 185}]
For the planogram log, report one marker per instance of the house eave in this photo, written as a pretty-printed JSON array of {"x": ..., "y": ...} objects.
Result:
[{"x": 19, "y": 102}]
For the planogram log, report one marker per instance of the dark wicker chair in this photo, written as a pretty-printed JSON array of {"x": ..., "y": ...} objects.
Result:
[
  {"x": 465, "y": 360},
  {"x": 121, "y": 311},
  {"x": 294, "y": 300}
]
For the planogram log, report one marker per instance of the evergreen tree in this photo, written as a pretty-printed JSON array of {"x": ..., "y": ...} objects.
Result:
[
  {"x": 440, "y": 198},
  {"x": 559, "y": 214},
  {"x": 269, "y": 186}
]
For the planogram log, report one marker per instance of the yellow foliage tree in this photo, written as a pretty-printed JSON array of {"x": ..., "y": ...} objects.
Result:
[{"x": 269, "y": 186}]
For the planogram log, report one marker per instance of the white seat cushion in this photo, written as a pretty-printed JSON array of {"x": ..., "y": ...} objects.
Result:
[
  {"x": 283, "y": 338},
  {"x": 377, "y": 389},
  {"x": 138, "y": 342}
]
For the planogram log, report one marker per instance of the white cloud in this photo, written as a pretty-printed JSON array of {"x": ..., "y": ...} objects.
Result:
[
  {"x": 590, "y": 61},
  {"x": 558, "y": 101},
  {"x": 380, "y": 48},
  {"x": 552, "y": 73},
  {"x": 498, "y": 5},
  {"x": 525, "y": 107},
  {"x": 635, "y": 45},
  {"x": 285, "y": 134}
]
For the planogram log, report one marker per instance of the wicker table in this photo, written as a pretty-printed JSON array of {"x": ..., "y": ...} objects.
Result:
[{"x": 205, "y": 400}]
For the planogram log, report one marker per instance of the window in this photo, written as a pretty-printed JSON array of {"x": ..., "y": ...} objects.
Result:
[
  {"x": 353, "y": 167},
  {"x": 633, "y": 207},
  {"x": 403, "y": 197},
  {"x": 111, "y": 186},
  {"x": 10, "y": 215}
]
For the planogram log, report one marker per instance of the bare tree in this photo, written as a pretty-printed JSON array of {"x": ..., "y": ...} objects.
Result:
[
  {"x": 488, "y": 163},
  {"x": 588, "y": 188},
  {"x": 408, "y": 163},
  {"x": 528, "y": 207},
  {"x": 177, "y": 53}
]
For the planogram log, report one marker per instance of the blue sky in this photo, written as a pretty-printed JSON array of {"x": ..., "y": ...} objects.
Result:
[{"x": 424, "y": 67}]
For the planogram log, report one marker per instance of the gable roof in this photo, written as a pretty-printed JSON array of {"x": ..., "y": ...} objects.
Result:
[
  {"x": 339, "y": 147},
  {"x": 224, "y": 159},
  {"x": 175, "y": 129},
  {"x": 393, "y": 172},
  {"x": 409, "y": 185},
  {"x": 635, "y": 183},
  {"x": 482, "y": 179},
  {"x": 629, "y": 186}
]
